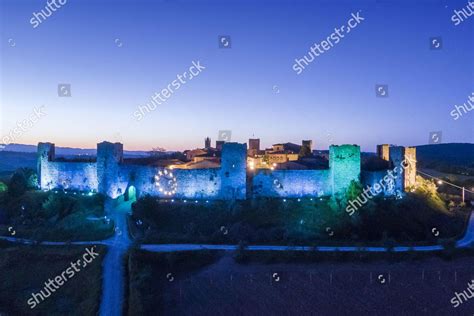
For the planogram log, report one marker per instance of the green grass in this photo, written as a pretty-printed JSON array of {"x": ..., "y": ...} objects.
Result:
[
  {"x": 24, "y": 269},
  {"x": 56, "y": 216}
]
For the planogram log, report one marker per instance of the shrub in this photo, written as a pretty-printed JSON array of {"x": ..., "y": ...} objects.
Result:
[
  {"x": 18, "y": 184},
  {"x": 61, "y": 205},
  {"x": 3, "y": 187}
]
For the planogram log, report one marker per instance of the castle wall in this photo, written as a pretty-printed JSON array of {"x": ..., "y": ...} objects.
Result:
[
  {"x": 110, "y": 176},
  {"x": 189, "y": 184},
  {"x": 370, "y": 178},
  {"x": 74, "y": 175},
  {"x": 291, "y": 183}
]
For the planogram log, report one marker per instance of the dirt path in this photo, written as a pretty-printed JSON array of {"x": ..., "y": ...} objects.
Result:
[{"x": 113, "y": 283}]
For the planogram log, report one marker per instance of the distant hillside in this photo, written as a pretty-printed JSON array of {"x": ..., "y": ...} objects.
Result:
[
  {"x": 449, "y": 158},
  {"x": 10, "y": 161},
  {"x": 67, "y": 151}
]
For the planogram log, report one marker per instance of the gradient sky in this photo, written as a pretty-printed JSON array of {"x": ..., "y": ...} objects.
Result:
[{"x": 335, "y": 95}]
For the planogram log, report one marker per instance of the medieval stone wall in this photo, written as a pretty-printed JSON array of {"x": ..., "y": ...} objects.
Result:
[{"x": 110, "y": 176}]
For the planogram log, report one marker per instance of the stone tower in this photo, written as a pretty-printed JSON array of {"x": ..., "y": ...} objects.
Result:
[
  {"x": 383, "y": 151},
  {"x": 254, "y": 147},
  {"x": 207, "y": 143},
  {"x": 410, "y": 168},
  {"x": 109, "y": 158},
  {"x": 404, "y": 160},
  {"x": 233, "y": 171},
  {"x": 402, "y": 164},
  {"x": 344, "y": 165},
  {"x": 46, "y": 154}
]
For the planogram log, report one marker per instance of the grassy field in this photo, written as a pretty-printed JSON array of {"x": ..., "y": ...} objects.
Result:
[
  {"x": 24, "y": 269},
  {"x": 296, "y": 284},
  {"x": 269, "y": 221},
  {"x": 55, "y": 216},
  {"x": 150, "y": 275}
]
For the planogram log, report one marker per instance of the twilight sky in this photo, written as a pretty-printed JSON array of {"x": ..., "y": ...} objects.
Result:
[{"x": 117, "y": 54}]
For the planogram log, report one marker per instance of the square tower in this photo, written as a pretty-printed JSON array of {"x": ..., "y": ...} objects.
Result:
[
  {"x": 383, "y": 151},
  {"x": 344, "y": 165},
  {"x": 233, "y": 171},
  {"x": 46, "y": 154},
  {"x": 403, "y": 161},
  {"x": 109, "y": 158}
]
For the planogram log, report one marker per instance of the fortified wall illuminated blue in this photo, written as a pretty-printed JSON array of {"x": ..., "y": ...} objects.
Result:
[{"x": 110, "y": 175}]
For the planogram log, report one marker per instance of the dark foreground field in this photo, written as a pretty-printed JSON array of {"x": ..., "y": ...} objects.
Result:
[
  {"x": 165, "y": 285},
  {"x": 25, "y": 269}
]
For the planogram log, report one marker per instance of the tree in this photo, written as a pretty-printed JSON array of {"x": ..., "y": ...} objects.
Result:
[
  {"x": 31, "y": 178},
  {"x": 354, "y": 190},
  {"x": 339, "y": 201},
  {"x": 59, "y": 205},
  {"x": 22, "y": 180},
  {"x": 3, "y": 187},
  {"x": 18, "y": 184}
]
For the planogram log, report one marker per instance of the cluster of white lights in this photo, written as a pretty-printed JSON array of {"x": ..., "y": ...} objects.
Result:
[
  {"x": 91, "y": 193},
  {"x": 184, "y": 201},
  {"x": 299, "y": 199},
  {"x": 169, "y": 185},
  {"x": 251, "y": 165}
]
